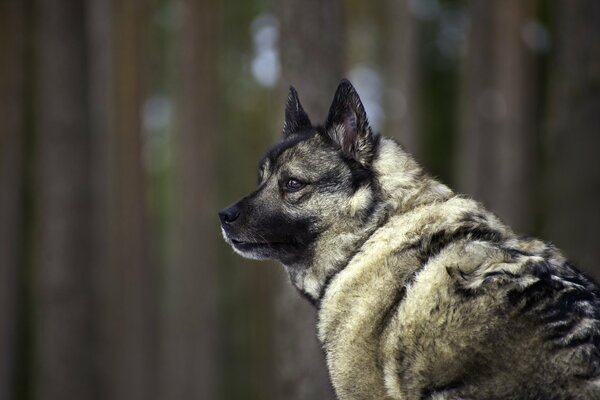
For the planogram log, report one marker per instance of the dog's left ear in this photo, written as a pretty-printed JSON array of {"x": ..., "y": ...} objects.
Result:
[
  {"x": 296, "y": 119},
  {"x": 347, "y": 124}
]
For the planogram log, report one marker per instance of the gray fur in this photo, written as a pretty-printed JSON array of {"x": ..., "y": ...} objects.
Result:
[{"x": 422, "y": 293}]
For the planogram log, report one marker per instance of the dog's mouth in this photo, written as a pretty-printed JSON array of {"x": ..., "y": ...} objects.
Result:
[
  {"x": 244, "y": 244},
  {"x": 259, "y": 247},
  {"x": 285, "y": 248}
]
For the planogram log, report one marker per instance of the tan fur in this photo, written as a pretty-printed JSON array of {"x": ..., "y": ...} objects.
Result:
[{"x": 444, "y": 335}]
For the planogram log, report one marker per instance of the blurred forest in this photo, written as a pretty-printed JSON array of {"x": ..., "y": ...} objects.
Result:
[{"x": 125, "y": 125}]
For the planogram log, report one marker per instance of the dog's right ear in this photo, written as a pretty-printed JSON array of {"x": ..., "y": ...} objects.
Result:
[
  {"x": 347, "y": 124},
  {"x": 296, "y": 119}
]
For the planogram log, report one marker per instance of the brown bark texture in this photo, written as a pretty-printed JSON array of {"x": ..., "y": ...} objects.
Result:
[
  {"x": 313, "y": 55},
  {"x": 191, "y": 368},
  {"x": 402, "y": 56},
  {"x": 497, "y": 149},
  {"x": 11, "y": 183},
  {"x": 100, "y": 52},
  {"x": 63, "y": 361},
  {"x": 131, "y": 299},
  {"x": 573, "y": 180}
]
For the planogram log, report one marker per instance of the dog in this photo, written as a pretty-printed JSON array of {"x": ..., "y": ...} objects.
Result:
[{"x": 421, "y": 293}]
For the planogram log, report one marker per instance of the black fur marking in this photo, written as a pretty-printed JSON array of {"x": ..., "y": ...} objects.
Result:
[
  {"x": 498, "y": 273},
  {"x": 531, "y": 296},
  {"x": 571, "y": 296},
  {"x": 560, "y": 328},
  {"x": 308, "y": 297},
  {"x": 578, "y": 277},
  {"x": 360, "y": 174},
  {"x": 583, "y": 337},
  {"x": 515, "y": 253},
  {"x": 324, "y": 289},
  {"x": 491, "y": 276},
  {"x": 377, "y": 209},
  {"x": 428, "y": 393},
  {"x": 370, "y": 211},
  {"x": 392, "y": 308},
  {"x": 474, "y": 218},
  {"x": 431, "y": 245},
  {"x": 559, "y": 301},
  {"x": 538, "y": 292},
  {"x": 581, "y": 281},
  {"x": 329, "y": 279},
  {"x": 553, "y": 315}
]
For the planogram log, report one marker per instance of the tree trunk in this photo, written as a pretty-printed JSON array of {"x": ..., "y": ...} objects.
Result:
[
  {"x": 515, "y": 155},
  {"x": 402, "y": 54},
  {"x": 191, "y": 368},
  {"x": 573, "y": 179},
  {"x": 312, "y": 59},
  {"x": 63, "y": 361},
  {"x": 497, "y": 149},
  {"x": 132, "y": 295},
  {"x": 313, "y": 54},
  {"x": 11, "y": 183},
  {"x": 475, "y": 148},
  {"x": 100, "y": 59}
]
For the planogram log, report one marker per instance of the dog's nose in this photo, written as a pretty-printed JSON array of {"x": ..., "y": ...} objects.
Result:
[{"x": 229, "y": 214}]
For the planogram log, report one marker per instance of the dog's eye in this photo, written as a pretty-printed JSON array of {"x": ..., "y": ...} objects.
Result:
[{"x": 293, "y": 185}]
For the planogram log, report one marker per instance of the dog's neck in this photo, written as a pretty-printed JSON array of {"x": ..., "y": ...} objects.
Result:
[
  {"x": 400, "y": 185},
  {"x": 403, "y": 182}
]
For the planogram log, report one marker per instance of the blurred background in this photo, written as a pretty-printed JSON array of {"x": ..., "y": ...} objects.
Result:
[{"x": 125, "y": 125}]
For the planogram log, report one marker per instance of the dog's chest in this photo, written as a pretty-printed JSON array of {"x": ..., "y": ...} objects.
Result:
[{"x": 352, "y": 321}]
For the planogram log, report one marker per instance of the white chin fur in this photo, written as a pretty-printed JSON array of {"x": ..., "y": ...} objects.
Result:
[
  {"x": 252, "y": 255},
  {"x": 248, "y": 254},
  {"x": 225, "y": 236}
]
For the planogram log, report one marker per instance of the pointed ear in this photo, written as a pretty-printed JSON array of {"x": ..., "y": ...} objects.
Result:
[
  {"x": 347, "y": 124},
  {"x": 296, "y": 120}
]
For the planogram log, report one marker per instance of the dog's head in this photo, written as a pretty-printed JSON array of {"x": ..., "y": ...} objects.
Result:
[{"x": 316, "y": 183}]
